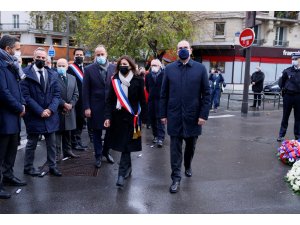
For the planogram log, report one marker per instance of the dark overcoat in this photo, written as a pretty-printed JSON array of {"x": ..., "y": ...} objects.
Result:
[
  {"x": 69, "y": 94},
  {"x": 95, "y": 91},
  {"x": 153, "y": 87},
  {"x": 11, "y": 100},
  {"x": 258, "y": 77},
  {"x": 185, "y": 97},
  {"x": 37, "y": 101},
  {"x": 121, "y": 129}
]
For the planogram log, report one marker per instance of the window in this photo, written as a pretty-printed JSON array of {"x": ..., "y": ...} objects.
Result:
[
  {"x": 219, "y": 29},
  {"x": 257, "y": 40},
  {"x": 217, "y": 65},
  {"x": 56, "y": 41},
  {"x": 279, "y": 37},
  {"x": 71, "y": 42},
  {"x": 16, "y": 21},
  {"x": 39, "y": 40},
  {"x": 39, "y": 22}
]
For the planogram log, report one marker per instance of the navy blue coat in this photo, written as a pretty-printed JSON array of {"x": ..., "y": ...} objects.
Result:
[
  {"x": 37, "y": 101},
  {"x": 95, "y": 91},
  {"x": 153, "y": 87},
  {"x": 185, "y": 97},
  {"x": 11, "y": 100}
]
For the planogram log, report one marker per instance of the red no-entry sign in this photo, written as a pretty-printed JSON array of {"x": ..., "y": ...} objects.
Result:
[{"x": 246, "y": 38}]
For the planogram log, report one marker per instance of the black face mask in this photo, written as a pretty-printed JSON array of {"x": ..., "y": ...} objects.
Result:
[
  {"x": 79, "y": 60},
  {"x": 124, "y": 69},
  {"x": 39, "y": 63}
]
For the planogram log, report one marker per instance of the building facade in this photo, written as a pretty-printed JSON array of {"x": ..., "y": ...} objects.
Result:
[
  {"x": 36, "y": 32},
  {"x": 216, "y": 42}
]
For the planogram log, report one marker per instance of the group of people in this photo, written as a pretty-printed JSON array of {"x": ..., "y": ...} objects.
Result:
[{"x": 112, "y": 98}]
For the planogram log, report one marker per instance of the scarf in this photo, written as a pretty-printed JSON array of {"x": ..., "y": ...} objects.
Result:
[
  {"x": 125, "y": 83},
  {"x": 13, "y": 64}
]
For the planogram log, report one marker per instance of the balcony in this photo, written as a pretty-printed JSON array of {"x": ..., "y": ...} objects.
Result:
[
  {"x": 292, "y": 15},
  {"x": 280, "y": 43},
  {"x": 258, "y": 42},
  {"x": 11, "y": 27}
]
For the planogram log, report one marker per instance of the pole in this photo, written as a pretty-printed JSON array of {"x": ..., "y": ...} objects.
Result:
[
  {"x": 250, "y": 22},
  {"x": 68, "y": 35},
  {"x": 244, "y": 109}
]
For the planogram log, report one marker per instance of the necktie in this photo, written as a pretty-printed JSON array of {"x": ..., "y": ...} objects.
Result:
[
  {"x": 64, "y": 78},
  {"x": 42, "y": 80}
]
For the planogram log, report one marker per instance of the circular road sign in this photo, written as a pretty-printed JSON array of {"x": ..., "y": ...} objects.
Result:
[{"x": 246, "y": 38}]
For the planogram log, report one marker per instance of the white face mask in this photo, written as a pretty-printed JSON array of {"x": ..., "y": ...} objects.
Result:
[
  {"x": 295, "y": 62},
  {"x": 17, "y": 54},
  {"x": 155, "y": 69}
]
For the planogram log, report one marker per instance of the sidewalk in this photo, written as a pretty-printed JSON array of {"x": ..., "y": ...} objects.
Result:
[{"x": 235, "y": 170}]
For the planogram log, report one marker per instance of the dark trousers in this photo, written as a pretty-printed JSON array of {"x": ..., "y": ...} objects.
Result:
[
  {"x": 63, "y": 142},
  {"x": 125, "y": 163},
  {"x": 158, "y": 129},
  {"x": 215, "y": 98},
  {"x": 100, "y": 150},
  {"x": 31, "y": 147},
  {"x": 257, "y": 99},
  {"x": 76, "y": 134},
  {"x": 176, "y": 154},
  {"x": 290, "y": 102},
  {"x": 8, "y": 152}
]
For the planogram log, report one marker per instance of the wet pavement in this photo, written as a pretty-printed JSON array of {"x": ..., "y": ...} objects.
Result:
[{"x": 235, "y": 170}]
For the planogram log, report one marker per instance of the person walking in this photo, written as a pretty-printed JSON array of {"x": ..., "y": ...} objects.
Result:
[
  {"x": 257, "y": 81},
  {"x": 66, "y": 110},
  {"x": 153, "y": 83},
  {"x": 125, "y": 103},
  {"x": 96, "y": 81},
  {"x": 12, "y": 108},
  {"x": 184, "y": 106},
  {"x": 290, "y": 86},
  {"x": 216, "y": 81},
  {"x": 42, "y": 95}
]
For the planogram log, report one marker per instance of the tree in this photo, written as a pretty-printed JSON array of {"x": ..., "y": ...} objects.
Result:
[{"x": 138, "y": 34}]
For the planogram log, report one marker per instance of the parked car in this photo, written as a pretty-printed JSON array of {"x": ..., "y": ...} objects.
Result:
[{"x": 272, "y": 88}]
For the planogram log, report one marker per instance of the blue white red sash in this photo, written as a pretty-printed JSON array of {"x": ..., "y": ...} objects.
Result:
[
  {"x": 116, "y": 83},
  {"x": 77, "y": 71}
]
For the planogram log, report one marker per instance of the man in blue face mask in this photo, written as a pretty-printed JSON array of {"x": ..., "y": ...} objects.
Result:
[
  {"x": 184, "y": 105},
  {"x": 96, "y": 80}
]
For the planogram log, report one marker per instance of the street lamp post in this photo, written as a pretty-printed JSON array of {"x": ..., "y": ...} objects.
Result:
[{"x": 68, "y": 35}]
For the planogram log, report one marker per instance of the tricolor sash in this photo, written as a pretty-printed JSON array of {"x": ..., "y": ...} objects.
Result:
[
  {"x": 77, "y": 71},
  {"x": 116, "y": 83}
]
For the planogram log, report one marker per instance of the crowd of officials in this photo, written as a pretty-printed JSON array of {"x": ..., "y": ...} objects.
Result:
[{"x": 115, "y": 97}]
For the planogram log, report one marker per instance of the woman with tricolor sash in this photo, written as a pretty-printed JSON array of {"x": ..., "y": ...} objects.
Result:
[{"x": 124, "y": 109}]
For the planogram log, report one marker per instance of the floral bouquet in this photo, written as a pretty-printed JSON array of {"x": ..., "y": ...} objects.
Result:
[
  {"x": 289, "y": 152},
  {"x": 293, "y": 177}
]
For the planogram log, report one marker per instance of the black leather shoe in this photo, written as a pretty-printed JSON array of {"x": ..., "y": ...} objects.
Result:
[
  {"x": 280, "y": 139},
  {"x": 159, "y": 143},
  {"x": 174, "y": 188},
  {"x": 13, "y": 182},
  {"x": 83, "y": 146},
  {"x": 188, "y": 172},
  {"x": 79, "y": 148},
  {"x": 128, "y": 173},
  {"x": 70, "y": 154},
  {"x": 98, "y": 163},
  {"x": 32, "y": 172},
  {"x": 109, "y": 158},
  {"x": 297, "y": 137},
  {"x": 4, "y": 194},
  {"x": 120, "y": 181},
  {"x": 55, "y": 172}
]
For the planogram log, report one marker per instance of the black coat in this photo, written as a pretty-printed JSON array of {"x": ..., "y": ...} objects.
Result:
[
  {"x": 153, "y": 87},
  {"x": 258, "y": 77},
  {"x": 11, "y": 100},
  {"x": 121, "y": 129},
  {"x": 95, "y": 91},
  {"x": 185, "y": 97}
]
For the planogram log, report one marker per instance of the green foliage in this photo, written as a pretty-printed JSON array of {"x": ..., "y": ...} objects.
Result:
[{"x": 128, "y": 32}]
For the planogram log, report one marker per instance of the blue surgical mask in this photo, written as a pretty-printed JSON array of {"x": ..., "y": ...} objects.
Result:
[
  {"x": 183, "y": 54},
  {"x": 101, "y": 60},
  {"x": 61, "y": 70}
]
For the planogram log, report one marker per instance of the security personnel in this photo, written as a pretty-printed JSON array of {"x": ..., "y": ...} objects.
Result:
[{"x": 290, "y": 86}]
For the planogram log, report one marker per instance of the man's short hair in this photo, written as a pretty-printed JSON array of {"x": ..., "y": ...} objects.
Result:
[
  {"x": 40, "y": 49},
  {"x": 8, "y": 40},
  {"x": 78, "y": 49}
]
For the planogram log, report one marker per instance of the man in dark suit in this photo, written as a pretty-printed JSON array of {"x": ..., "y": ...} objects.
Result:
[
  {"x": 41, "y": 92},
  {"x": 185, "y": 103},
  {"x": 153, "y": 83},
  {"x": 66, "y": 110},
  {"x": 257, "y": 81},
  {"x": 77, "y": 70},
  {"x": 12, "y": 108},
  {"x": 96, "y": 81}
]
